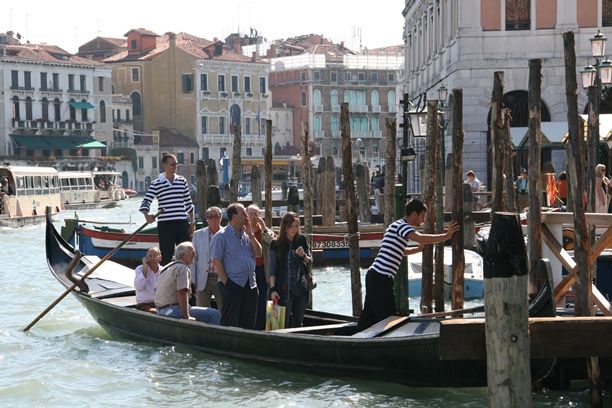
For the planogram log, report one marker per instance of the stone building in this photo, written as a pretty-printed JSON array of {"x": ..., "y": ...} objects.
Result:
[{"x": 460, "y": 44}]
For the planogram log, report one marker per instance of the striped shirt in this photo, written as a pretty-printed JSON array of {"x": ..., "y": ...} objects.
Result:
[
  {"x": 394, "y": 243},
  {"x": 173, "y": 197}
]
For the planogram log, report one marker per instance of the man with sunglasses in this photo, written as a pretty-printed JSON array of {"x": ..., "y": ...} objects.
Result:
[
  {"x": 204, "y": 277},
  {"x": 176, "y": 224}
]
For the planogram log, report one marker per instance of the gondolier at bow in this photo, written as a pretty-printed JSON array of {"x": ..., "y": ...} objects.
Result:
[
  {"x": 379, "y": 299},
  {"x": 176, "y": 223}
]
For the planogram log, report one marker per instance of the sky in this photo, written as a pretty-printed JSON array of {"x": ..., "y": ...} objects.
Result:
[{"x": 69, "y": 24}]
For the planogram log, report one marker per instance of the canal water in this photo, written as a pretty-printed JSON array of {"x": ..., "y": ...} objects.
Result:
[{"x": 67, "y": 359}]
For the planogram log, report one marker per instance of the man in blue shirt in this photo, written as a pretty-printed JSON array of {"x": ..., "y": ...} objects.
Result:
[{"x": 233, "y": 253}]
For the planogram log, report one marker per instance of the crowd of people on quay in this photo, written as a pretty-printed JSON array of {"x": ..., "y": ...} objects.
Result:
[{"x": 241, "y": 266}]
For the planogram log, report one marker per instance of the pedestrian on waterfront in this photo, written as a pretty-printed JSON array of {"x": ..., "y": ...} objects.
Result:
[
  {"x": 379, "y": 186},
  {"x": 233, "y": 251},
  {"x": 204, "y": 278},
  {"x": 562, "y": 188},
  {"x": 287, "y": 252},
  {"x": 176, "y": 223},
  {"x": 262, "y": 267},
  {"x": 379, "y": 298},
  {"x": 472, "y": 180},
  {"x": 521, "y": 185},
  {"x": 145, "y": 280},
  {"x": 601, "y": 189},
  {"x": 173, "y": 288}
]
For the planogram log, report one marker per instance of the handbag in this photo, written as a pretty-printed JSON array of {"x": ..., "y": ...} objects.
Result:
[
  {"x": 306, "y": 280},
  {"x": 275, "y": 316}
]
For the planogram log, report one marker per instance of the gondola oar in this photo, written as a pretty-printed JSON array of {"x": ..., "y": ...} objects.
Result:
[
  {"x": 475, "y": 309},
  {"x": 89, "y": 272}
]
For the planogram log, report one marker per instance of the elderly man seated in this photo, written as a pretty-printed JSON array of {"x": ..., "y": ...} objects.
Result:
[
  {"x": 172, "y": 293},
  {"x": 146, "y": 277}
]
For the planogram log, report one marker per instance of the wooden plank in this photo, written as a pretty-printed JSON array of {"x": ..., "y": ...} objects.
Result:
[
  {"x": 382, "y": 327},
  {"x": 549, "y": 337},
  {"x": 568, "y": 218},
  {"x": 554, "y": 245},
  {"x": 602, "y": 243},
  {"x": 325, "y": 328},
  {"x": 600, "y": 301}
]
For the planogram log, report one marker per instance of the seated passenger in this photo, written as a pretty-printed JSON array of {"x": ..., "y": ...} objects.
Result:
[
  {"x": 173, "y": 287},
  {"x": 146, "y": 279}
]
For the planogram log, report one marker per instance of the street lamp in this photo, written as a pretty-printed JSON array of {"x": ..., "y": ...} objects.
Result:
[{"x": 443, "y": 111}]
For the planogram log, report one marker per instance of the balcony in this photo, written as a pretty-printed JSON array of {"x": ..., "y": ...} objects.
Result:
[
  {"x": 223, "y": 94},
  {"x": 252, "y": 139},
  {"x": 392, "y": 109},
  {"x": 78, "y": 92},
  {"x": 318, "y": 108},
  {"x": 319, "y": 134},
  {"x": 336, "y": 134},
  {"x": 218, "y": 139},
  {"x": 376, "y": 109},
  {"x": 22, "y": 90},
  {"x": 51, "y": 91},
  {"x": 376, "y": 134},
  {"x": 204, "y": 94},
  {"x": 336, "y": 108},
  {"x": 359, "y": 108}
]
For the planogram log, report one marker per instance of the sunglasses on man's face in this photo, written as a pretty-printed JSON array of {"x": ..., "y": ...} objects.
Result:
[{"x": 172, "y": 164}]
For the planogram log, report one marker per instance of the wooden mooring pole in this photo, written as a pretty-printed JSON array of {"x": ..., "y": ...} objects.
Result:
[
  {"x": 256, "y": 185},
  {"x": 328, "y": 192},
  {"x": 268, "y": 171},
  {"x": 202, "y": 188},
  {"x": 350, "y": 209},
  {"x": 497, "y": 141},
  {"x": 439, "y": 168},
  {"x": 506, "y": 314},
  {"x": 390, "y": 157},
  {"x": 576, "y": 164},
  {"x": 307, "y": 178},
  {"x": 458, "y": 268},
  {"x": 236, "y": 164}
]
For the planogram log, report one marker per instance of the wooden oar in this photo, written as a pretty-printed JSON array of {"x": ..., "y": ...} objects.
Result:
[{"x": 89, "y": 272}]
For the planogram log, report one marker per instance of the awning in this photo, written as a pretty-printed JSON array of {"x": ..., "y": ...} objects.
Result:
[
  {"x": 82, "y": 105},
  {"x": 56, "y": 142}
]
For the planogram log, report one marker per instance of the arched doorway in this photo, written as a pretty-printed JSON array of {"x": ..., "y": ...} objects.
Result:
[
  {"x": 518, "y": 103},
  {"x": 137, "y": 111},
  {"x": 234, "y": 116},
  {"x": 124, "y": 179}
]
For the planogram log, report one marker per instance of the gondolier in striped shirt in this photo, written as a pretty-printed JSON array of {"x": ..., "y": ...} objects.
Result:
[
  {"x": 176, "y": 223},
  {"x": 379, "y": 299}
]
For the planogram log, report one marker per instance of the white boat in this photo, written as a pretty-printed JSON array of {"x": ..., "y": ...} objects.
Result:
[
  {"x": 28, "y": 191},
  {"x": 86, "y": 189},
  {"x": 473, "y": 274}
]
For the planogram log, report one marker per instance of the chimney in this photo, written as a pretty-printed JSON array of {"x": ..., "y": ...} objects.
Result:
[
  {"x": 271, "y": 51},
  {"x": 237, "y": 45},
  {"x": 253, "y": 56},
  {"x": 341, "y": 44}
]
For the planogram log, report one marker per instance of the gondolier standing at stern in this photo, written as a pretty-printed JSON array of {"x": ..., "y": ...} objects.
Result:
[
  {"x": 176, "y": 223},
  {"x": 379, "y": 299}
]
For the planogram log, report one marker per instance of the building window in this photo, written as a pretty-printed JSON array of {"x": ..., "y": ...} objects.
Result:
[
  {"x": 235, "y": 87},
  {"x": 153, "y": 162},
  {"x": 203, "y": 82},
  {"x": 316, "y": 97},
  {"x": 303, "y": 76},
  {"x": 316, "y": 76},
  {"x": 221, "y": 84},
  {"x": 45, "y": 109},
  {"x": 180, "y": 158},
  {"x": 27, "y": 80},
  {"x": 361, "y": 76},
  {"x": 247, "y": 84},
  {"x": 205, "y": 154},
  {"x": 249, "y": 151},
  {"x": 55, "y": 82},
  {"x": 187, "y": 83},
  {"x": 374, "y": 76},
  {"x": 606, "y": 11},
  {"x": 28, "y": 108},
  {"x": 334, "y": 98},
  {"x": 375, "y": 148},
  {"x": 262, "y": 85},
  {"x": 374, "y": 98},
  {"x": 347, "y": 76},
  {"x": 247, "y": 126},
  {"x": 222, "y": 125},
  {"x": 16, "y": 113},
  {"x": 56, "y": 110},
  {"x": 84, "y": 113},
  {"x": 304, "y": 98},
  {"x": 391, "y": 76},
  {"x": 335, "y": 149},
  {"x": 333, "y": 76},
  {"x": 102, "y": 107},
  {"x": 70, "y": 82},
  {"x": 135, "y": 75},
  {"x": 82, "y": 82},
  {"x": 140, "y": 162},
  {"x": 192, "y": 157},
  {"x": 14, "y": 79},
  {"x": 134, "y": 44},
  {"x": 127, "y": 115},
  {"x": 204, "y": 124},
  {"x": 517, "y": 15},
  {"x": 101, "y": 84}
]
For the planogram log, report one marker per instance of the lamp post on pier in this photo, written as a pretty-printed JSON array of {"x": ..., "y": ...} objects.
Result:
[{"x": 593, "y": 79}]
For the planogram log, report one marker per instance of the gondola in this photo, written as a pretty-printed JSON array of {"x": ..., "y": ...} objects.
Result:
[{"x": 329, "y": 344}]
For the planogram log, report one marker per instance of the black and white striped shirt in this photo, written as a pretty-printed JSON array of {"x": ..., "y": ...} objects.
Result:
[
  {"x": 394, "y": 243},
  {"x": 173, "y": 197}
]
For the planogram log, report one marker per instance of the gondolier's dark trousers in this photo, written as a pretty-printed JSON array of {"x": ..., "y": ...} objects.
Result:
[
  {"x": 379, "y": 299},
  {"x": 171, "y": 233}
]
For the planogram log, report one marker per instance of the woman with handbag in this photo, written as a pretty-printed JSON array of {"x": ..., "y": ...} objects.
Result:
[{"x": 287, "y": 253}]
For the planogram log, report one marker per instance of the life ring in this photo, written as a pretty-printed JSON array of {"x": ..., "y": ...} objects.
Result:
[{"x": 569, "y": 239}]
